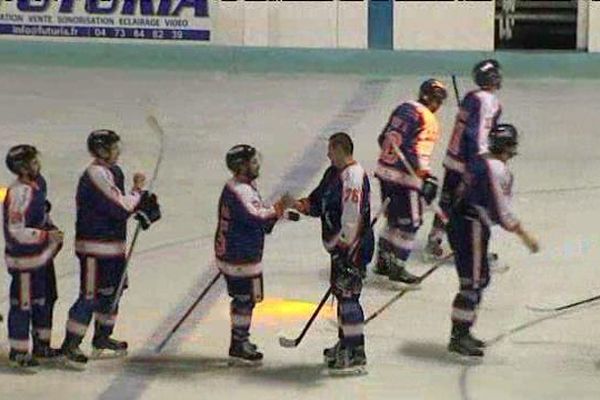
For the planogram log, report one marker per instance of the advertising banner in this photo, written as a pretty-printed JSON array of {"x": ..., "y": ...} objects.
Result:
[{"x": 151, "y": 20}]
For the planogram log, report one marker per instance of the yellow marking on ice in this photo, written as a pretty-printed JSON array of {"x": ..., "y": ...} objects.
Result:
[
  {"x": 290, "y": 309},
  {"x": 2, "y": 193}
]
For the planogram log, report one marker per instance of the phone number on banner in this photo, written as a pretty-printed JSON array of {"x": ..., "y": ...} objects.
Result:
[{"x": 105, "y": 32}]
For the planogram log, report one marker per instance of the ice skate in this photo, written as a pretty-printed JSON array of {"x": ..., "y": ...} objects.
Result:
[
  {"x": 382, "y": 266},
  {"x": 480, "y": 344},
  {"x": 105, "y": 347},
  {"x": 23, "y": 362},
  {"x": 464, "y": 346},
  {"x": 398, "y": 273},
  {"x": 348, "y": 362},
  {"x": 244, "y": 353},
  {"x": 330, "y": 352},
  {"x": 46, "y": 354}
]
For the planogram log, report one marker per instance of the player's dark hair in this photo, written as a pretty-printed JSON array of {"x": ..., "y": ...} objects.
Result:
[
  {"x": 342, "y": 140},
  {"x": 19, "y": 156}
]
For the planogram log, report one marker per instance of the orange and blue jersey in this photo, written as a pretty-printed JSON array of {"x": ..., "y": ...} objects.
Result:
[
  {"x": 479, "y": 113},
  {"x": 414, "y": 130}
]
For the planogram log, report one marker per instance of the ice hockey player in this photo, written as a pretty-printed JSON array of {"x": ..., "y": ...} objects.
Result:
[
  {"x": 412, "y": 129},
  {"x": 32, "y": 242},
  {"x": 486, "y": 202},
  {"x": 342, "y": 202},
  {"x": 479, "y": 112},
  {"x": 103, "y": 209},
  {"x": 244, "y": 220}
]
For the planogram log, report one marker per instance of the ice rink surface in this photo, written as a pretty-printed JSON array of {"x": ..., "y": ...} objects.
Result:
[{"x": 288, "y": 117}]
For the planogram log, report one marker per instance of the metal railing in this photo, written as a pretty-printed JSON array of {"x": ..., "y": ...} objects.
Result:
[{"x": 554, "y": 12}]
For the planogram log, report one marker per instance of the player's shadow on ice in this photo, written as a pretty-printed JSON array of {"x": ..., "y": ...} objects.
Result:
[
  {"x": 302, "y": 375},
  {"x": 184, "y": 367},
  {"x": 431, "y": 352},
  {"x": 173, "y": 367}
]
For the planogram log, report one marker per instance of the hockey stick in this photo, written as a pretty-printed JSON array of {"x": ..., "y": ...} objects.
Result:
[
  {"x": 163, "y": 343},
  {"x": 565, "y": 307},
  {"x": 290, "y": 343},
  {"x": 436, "y": 208},
  {"x": 406, "y": 290},
  {"x": 156, "y": 128},
  {"x": 456, "y": 93}
]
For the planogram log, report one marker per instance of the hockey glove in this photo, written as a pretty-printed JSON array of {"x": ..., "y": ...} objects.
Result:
[
  {"x": 429, "y": 188},
  {"x": 344, "y": 275},
  {"x": 148, "y": 210},
  {"x": 292, "y": 216}
]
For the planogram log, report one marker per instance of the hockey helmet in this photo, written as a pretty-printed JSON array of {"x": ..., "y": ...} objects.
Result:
[
  {"x": 101, "y": 139},
  {"x": 238, "y": 155},
  {"x": 502, "y": 138},
  {"x": 487, "y": 74},
  {"x": 432, "y": 89}
]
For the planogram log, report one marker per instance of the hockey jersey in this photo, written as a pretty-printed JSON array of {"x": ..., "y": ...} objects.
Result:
[
  {"x": 26, "y": 226},
  {"x": 479, "y": 113},
  {"x": 342, "y": 201},
  {"x": 244, "y": 220},
  {"x": 490, "y": 193},
  {"x": 102, "y": 211},
  {"x": 414, "y": 130}
]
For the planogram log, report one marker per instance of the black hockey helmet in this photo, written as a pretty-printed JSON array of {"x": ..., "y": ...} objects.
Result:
[
  {"x": 238, "y": 155},
  {"x": 101, "y": 139},
  {"x": 432, "y": 89},
  {"x": 19, "y": 156},
  {"x": 487, "y": 74},
  {"x": 502, "y": 137}
]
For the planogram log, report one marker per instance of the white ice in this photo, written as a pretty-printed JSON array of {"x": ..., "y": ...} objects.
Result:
[{"x": 203, "y": 114}]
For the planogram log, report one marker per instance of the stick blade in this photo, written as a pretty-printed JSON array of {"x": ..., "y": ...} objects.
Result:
[
  {"x": 287, "y": 343},
  {"x": 158, "y": 349},
  {"x": 541, "y": 309},
  {"x": 153, "y": 123}
]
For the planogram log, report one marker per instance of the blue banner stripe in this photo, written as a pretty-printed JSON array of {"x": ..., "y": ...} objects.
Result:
[{"x": 104, "y": 32}]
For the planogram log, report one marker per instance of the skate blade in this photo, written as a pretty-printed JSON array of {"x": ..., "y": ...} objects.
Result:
[
  {"x": 409, "y": 287},
  {"x": 51, "y": 362},
  {"x": 384, "y": 283},
  {"x": 465, "y": 359},
  {"x": 242, "y": 362},
  {"x": 24, "y": 370},
  {"x": 72, "y": 365},
  {"x": 105, "y": 354},
  {"x": 347, "y": 372}
]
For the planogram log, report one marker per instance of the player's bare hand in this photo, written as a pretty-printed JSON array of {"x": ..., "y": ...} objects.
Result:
[
  {"x": 297, "y": 205},
  {"x": 56, "y": 236},
  {"x": 139, "y": 181},
  {"x": 302, "y": 206}
]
